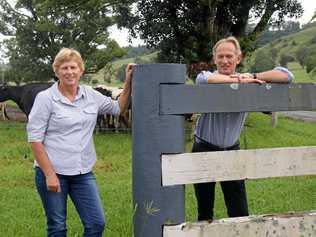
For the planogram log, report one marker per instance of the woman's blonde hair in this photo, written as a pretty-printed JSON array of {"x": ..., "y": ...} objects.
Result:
[
  {"x": 65, "y": 55},
  {"x": 230, "y": 39}
]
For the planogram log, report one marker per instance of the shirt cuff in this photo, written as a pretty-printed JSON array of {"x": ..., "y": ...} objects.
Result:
[
  {"x": 290, "y": 75},
  {"x": 202, "y": 77}
]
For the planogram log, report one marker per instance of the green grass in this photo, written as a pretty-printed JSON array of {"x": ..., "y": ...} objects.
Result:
[
  {"x": 11, "y": 103},
  {"x": 301, "y": 76},
  {"x": 21, "y": 211}
]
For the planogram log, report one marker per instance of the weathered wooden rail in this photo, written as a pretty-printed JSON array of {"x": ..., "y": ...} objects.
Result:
[{"x": 160, "y": 169}]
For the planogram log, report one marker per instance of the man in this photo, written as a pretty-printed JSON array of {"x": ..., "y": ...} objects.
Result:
[{"x": 221, "y": 131}]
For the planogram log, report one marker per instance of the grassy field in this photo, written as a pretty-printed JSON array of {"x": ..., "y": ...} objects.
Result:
[{"x": 21, "y": 211}]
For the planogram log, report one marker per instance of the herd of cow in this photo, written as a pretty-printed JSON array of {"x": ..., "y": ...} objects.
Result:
[{"x": 24, "y": 97}]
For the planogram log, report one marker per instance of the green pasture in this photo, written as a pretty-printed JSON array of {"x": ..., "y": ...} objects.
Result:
[
  {"x": 21, "y": 213},
  {"x": 300, "y": 74}
]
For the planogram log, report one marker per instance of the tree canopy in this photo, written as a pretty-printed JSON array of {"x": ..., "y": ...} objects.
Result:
[
  {"x": 42, "y": 27},
  {"x": 184, "y": 31}
]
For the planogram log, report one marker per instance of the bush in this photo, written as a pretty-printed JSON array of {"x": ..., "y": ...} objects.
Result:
[
  {"x": 301, "y": 54},
  {"x": 94, "y": 81},
  {"x": 285, "y": 59},
  {"x": 313, "y": 73},
  {"x": 310, "y": 63},
  {"x": 313, "y": 40},
  {"x": 121, "y": 73},
  {"x": 263, "y": 62}
]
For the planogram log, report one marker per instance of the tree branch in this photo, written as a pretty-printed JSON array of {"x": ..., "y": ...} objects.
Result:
[{"x": 262, "y": 24}]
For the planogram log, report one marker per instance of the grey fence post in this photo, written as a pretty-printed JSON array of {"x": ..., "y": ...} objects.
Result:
[{"x": 154, "y": 134}]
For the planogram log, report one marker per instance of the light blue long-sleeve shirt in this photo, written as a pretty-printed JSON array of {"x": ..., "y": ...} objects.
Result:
[{"x": 66, "y": 128}]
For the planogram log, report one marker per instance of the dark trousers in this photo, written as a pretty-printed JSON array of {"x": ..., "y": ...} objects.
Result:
[{"x": 234, "y": 191}]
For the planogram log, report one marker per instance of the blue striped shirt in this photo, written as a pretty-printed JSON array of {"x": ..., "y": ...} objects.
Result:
[
  {"x": 223, "y": 129},
  {"x": 66, "y": 128}
]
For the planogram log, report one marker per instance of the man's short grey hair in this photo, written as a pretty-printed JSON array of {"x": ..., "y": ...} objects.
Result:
[{"x": 230, "y": 39}]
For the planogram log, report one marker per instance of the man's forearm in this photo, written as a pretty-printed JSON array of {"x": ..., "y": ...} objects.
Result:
[
  {"x": 273, "y": 76},
  {"x": 220, "y": 78}
]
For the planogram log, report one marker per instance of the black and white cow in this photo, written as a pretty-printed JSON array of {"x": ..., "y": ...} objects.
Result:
[{"x": 23, "y": 96}]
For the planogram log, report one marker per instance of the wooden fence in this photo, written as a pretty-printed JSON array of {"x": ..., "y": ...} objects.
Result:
[{"x": 161, "y": 168}]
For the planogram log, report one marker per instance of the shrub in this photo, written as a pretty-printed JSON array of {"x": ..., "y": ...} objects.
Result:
[
  {"x": 263, "y": 61},
  {"x": 285, "y": 59},
  {"x": 310, "y": 63}
]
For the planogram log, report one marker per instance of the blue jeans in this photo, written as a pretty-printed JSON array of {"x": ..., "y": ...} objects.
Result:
[{"x": 83, "y": 192}]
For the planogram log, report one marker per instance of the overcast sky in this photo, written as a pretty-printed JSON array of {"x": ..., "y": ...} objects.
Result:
[{"x": 121, "y": 36}]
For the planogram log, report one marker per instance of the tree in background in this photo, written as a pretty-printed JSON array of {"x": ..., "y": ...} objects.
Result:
[
  {"x": 301, "y": 54},
  {"x": 310, "y": 62},
  {"x": 306, "y": 57},
  {"x": 313, "y": 40},
  {"x": 121, "y": 73},
  {"x": 184, "y": 31},
  {"x": 263, "y": 61},
  {"x": 42, "y": 27},
  {"x": 285, "y": 59},
  {"x": 137, "y": 51},
  {"x": 313, "y": 73}
]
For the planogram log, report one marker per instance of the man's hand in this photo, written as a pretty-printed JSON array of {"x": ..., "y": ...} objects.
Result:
[{"x": 246, "y": 78}]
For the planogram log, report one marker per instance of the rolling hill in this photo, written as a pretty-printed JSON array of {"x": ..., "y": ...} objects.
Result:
[{"x": 289, "y": 45}]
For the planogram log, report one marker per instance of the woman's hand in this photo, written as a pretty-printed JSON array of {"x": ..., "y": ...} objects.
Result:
[
  {"x": 125, "y": 97},
  {"x": 129, "y": 72},
  {"x": 52, "y": 183}
]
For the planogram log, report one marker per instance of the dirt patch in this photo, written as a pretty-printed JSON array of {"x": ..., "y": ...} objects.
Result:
[{"x": 15, "y": 114}]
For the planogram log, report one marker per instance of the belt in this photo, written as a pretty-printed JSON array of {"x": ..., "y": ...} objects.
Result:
[{"x": 215, "y": 147}]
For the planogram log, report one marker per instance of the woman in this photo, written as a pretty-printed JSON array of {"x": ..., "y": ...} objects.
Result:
[{"x": 60, "y": 130}]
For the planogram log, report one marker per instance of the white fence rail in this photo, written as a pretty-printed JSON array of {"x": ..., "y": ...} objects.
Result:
[
  {"x": 188, "y": 168},
  {"x": 290, "y": 225}
]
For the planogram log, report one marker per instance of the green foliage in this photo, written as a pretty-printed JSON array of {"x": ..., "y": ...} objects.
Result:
[
  {"x": 274, "y": 53},
  {"x": 300, "y": 50},
  {"x": 310, "y": 62},
  {"x": 143, "y": 60},
  {"x": 185, "y": 31},
  {"x": 94, "y": 82},
  {"x": 306, "y": 56},
  {"x": 117, "y": 69},
  {"x": 138, "y": 51},
  {"x": 263, "y": 62},
  {"x": 313, "y": 40},
  {"x": 301, "y": 55},
  {"x": 121, "y": 73},
  {"x": 45, "y": 26},
  {"x": 313, "y": 73},
  {"x": 299, "y": 73},
  {"x": 285, "y": 59}
]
